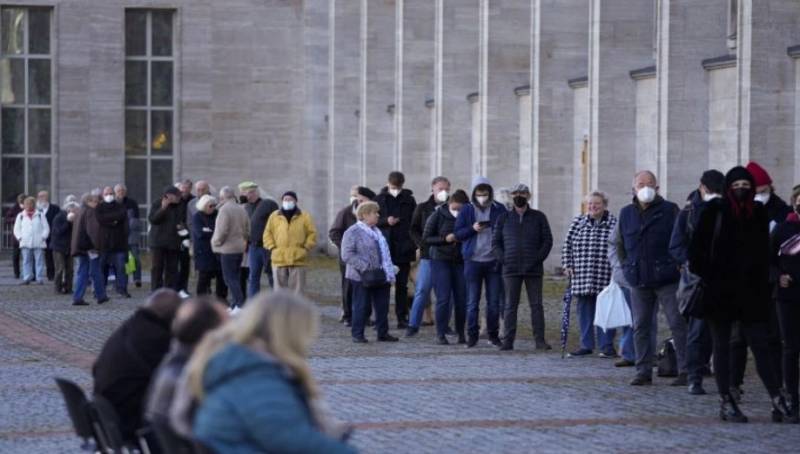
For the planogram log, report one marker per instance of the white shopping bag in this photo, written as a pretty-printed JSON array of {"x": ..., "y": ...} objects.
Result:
[{"x": 612, "y": 310}]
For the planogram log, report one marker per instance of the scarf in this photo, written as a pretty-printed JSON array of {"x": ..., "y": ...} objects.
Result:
[{"x": 386, "y": 256}]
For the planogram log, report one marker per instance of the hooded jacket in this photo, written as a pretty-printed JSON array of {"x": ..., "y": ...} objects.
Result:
[
  {"x": 252, "y": 404},
  {"x": 466, "y": 218},
  {"x": 439, "y": 225},
  {"x": 398, "y": 236},
  {"x": 290, "y": 240},
  {"x": 31, "y": 231},
  {"x": 521, "y": 243}
]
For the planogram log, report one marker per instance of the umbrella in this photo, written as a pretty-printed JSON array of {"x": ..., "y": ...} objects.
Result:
[{"x": 565, "y": 318}]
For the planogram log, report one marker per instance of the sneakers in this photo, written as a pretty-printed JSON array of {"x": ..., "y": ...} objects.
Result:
[
  {"x": 608, "y": 354},
  {"x": 580, "y": 352},
  {"x": 495, "y": 341},
  {"x": 388, "y": 338},
  {"x": 411, "y": 331},
  {"x": 624, "y": 363},
  {"x": 360, "y": 340},
  {"x": 183, "y": 294},
  {"x": 441, "y": 340},
  {"x": 641, "y": 380},
  {"x": 234, "y": 311},
  {"x": 680, "y": 380}
]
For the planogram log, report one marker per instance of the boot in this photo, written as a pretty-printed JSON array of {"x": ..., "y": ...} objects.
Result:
[
  {"x": 780, "y": 411},
  {"x": 794, "y": 411},
  {"x": 729, "y": 409}
]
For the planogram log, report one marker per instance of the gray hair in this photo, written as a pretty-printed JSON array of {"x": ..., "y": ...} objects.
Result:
[
  {"x": 71, "y": 206},
  {"x": 96, "y": 192},
  {"x": 70, "y": 198},
  {"x": 226, "y": 193},
  {"x": 602, "y": 195},
  {"x": 86, "y": 197},
  {"x": 645, "y": 172},
  {"x": 439, "y": 179},
  {"x": 119, "y": 186}
]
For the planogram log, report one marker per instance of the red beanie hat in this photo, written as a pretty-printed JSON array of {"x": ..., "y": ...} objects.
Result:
[{"x": 760, "y": 175}]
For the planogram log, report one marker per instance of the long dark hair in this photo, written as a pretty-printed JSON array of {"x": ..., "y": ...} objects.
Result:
[{"x": 742, "y": 209}]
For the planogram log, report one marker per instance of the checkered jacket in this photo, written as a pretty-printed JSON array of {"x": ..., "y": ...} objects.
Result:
[{"x": 585, "y": 251}]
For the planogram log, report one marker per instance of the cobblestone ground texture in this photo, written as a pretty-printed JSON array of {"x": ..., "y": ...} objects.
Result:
[{"x": 411, "y": 396}]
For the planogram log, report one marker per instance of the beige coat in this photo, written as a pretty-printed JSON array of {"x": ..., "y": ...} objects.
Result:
[{"x": 232, "y": 230}]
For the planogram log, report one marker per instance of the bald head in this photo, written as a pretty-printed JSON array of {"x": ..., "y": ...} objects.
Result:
[
  {"x": 201, "y": 188},
  {"x": 164, "y": 303},
  {"x": 644, "y": 178}
]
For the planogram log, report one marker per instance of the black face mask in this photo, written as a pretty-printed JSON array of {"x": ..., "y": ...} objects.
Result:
[
  {"x": 520, "y": 201},
  {"x": 242, "y": 199},
  {"x": 741, "y": 194}
]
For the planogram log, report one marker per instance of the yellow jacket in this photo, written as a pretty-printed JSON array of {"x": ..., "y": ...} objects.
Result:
[{"x": 290, "y": 242}]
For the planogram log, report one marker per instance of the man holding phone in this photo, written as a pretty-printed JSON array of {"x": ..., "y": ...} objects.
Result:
[
  {"x": 166, "y": 219},
  {"x": 473, "y": 229}
]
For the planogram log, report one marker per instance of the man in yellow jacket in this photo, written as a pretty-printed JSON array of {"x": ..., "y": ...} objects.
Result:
[{"x": 290, "y": 235}]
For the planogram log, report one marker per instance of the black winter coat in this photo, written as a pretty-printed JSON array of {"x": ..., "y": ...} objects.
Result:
[
  {"x": 345, "y": 218},
  {"x": 126, "y": 364},
  {"x": 259, "y": 213},
  {"x": 113, "y": 220},
  {"x": 50, "y": 215},
  {"x": 202, "y": 230},
  {"x": 164, "y": 226},
  {"x": 422, "y": 213},
  {"x": 737, "y": 276},
  {"x": 398, "y": 236},
  {"x": 440, "y": 224},
  {"x": 61, "y": 234},
  {"x": 522, "y": 243},
  {"x": 786, "y": 264},
  {"x": 777, "y": 209}
]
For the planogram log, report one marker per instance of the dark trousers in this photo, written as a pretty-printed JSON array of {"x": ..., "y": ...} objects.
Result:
[
  {"x": 49, "y": 264},
  {"x": 16, "y": 257},
  {"x": 698, "y": 349},
  {"x": 513, "y": 288},
  {"x": 450, "y": 289},
  {"x": 62, "y": 280},
  {"x": 184, "y": 269},
  {"x": 739, "y": 348},
  {"x": 164, "y": 269},
  {"x": 401, "y": 306},
  {"x": 204, "y": 279},
  {"x": 478, "y": 275},
  {"x": 644, "y": 302},
  {"x": 363, "y": 299},
  {"x": 117, "y": 261},
  {"x": 789, "y": 316},
  {"x": 232, "y": 274},
  {"x": 347, "y": 293},
  {"x": 755, "y": 335}
]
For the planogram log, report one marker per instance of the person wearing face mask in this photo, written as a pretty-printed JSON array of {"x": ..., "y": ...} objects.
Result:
[
  {"x": 61, "y": 235},
  {"x": 10, "y": 218},
  {"x": 290, "y": 236},
  {"x": 112, "y": 218},
  {"x": 645, "y": 228},
  {"x": 730, "y": 251},
  {"x": 473, "y": 230},
  {"x": 777, "y": 209},
  {"x": 50, "y": 212},
  {"x": 521, "y": 241},
  {"x": 206, "y": 261},
  {"x": 345, "y": 218},
  {"x": 31, "y": 231},
  {"x": 164, "y": 241},
  {"x": 229, "y": 240},
  {"x": 440, "y": 192},
  {"x": 447, "y": 267},
  {"x": 698, "y": 338},
  {"x": 397, "y": 208},
  {"x": 258, "y": 259}
]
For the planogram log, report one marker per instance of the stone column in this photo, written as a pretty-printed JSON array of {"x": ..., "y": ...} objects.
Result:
[
  {"x": 621, "y": 39},
  {"x": 688, "y": 32},
  {"x": 581, "y": 165},
  {"x": 794, "y": 52},
  {"x": 766, "y": 83},
  {"x": 646, "y": 118},
  {"x": 723, "y": 135}
]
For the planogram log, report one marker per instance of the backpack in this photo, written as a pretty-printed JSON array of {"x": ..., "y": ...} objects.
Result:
[{"x": 667, "y": 359}]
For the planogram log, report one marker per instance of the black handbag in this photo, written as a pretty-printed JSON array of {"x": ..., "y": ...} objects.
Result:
[
  {"x": 692, "y": 288},
  {"x": 375, "y": 277}
]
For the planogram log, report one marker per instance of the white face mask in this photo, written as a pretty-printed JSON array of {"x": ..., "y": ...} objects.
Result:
[
  {"x": 394, "y": 192},
  {"x": 287, "y": 205},
  {"x": 442, "y": 196},
  {"x": 710, "y": 197},
  {"x": 646, "y": 194},
  {"x": 482, "y": 199},
  {"x": 763, "y": 197},
  {"x": 41, "y": 205},
  {"x": 353, "y": 199},
  {"x": 108, "y": 198},
  {"x": 454, "y": 213}
]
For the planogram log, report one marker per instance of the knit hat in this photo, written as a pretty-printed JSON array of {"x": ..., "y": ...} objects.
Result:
[
  {"x": 366, "y": 192},
  {"x": 738, "y": 173},
  {"x": 204, "y": 202},
  {"x": 172, "y": 190},
  {"x": 520, "y": 188},
  {"x": 714, "y": 180},
  {"x": 760, "y": 175},
  {"x": 247, "y": 185},
  {"x": 291, "y": 194}
]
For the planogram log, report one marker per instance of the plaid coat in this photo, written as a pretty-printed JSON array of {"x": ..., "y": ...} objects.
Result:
[{"x": 585, "y": 251}]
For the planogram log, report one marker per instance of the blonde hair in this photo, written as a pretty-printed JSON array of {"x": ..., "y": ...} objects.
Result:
[
  {"x": 599, "y": 194},
  {"x": 282, "y": 324},
  {"x": 367, "y": 208}
]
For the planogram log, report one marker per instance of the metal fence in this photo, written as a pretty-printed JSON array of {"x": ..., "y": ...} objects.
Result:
[{"x": 7, "y": 235}]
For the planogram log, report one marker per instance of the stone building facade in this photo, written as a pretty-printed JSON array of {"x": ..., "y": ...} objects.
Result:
[{"x": 317, "y": 95}]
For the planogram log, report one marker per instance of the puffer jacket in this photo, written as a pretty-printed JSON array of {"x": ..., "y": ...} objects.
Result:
[
  {"x": 290, "y": 241},
  {"x": 522, "y": 243},
  {"x": 440, "y": 224},
  {"x": 31, "y": 231},
  {"x": 398, "y": 236},
  {"x": 253, "y": 404}
]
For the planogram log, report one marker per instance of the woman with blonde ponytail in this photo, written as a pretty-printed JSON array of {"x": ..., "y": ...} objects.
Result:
[{"x": 252, "y": 385}]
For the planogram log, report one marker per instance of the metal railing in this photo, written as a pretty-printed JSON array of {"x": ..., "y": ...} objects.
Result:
[{"x": 7, "y": 235}]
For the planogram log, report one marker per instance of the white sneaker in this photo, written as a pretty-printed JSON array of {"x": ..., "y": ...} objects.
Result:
[
  {"x": 183, "y": 294},
  {"x": 234, "y": 311}
]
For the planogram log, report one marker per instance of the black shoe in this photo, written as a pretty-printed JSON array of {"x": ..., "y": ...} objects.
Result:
[
  {"x": 348, "y": 323},
  {"x": 506, "y": 347},
  {"x": 388, "y": 338},
  {"x": 641, "y": 380},
  {"x": 124, "y": 295},
  {"x": 441, "y": 340},
  {"x": 402, "y": 325},
  {"x": 80, "y": 303},
  {"x": 494, "y": 340},
  {"x": 411, "y": 331},
  {"x": 680, "y": 380},
  {"x": 729, "y": 410},
  {"x": 360, "y": 340},
  {"x": 461, "y": 339},
  {"x": 696, "y": 389},
  {"x": 342, "y": 319},
  {"x": 780, "y": 411},
  {"x": 449, "y": 332},
  {"x": 624, "y": 363},
  {"x": 473, "y": 341},
  {"x": 103, "y": 300},
  {"x": 608, "y": 354},
  {"x": 542, "y": 346},
  {"x": 736, "y": 393},
  {"x": 138, "y": 284},
  {"x": 794, "y": 414},
  {"x": 580, "y": 352}
]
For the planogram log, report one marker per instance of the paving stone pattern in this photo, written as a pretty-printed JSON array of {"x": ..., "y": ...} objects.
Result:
[{"x": 410, "y": 396}]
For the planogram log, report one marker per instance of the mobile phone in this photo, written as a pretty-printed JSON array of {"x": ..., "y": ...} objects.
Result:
[{"x": 484, "y": 223}]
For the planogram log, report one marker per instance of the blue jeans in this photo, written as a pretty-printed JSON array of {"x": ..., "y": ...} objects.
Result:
[
  {"x": 451, "y": 293},
  {"x": 259, "y": 262},
  {"x": 478, "y": 274},
  {"x": 231, "y": 274},
  {"x": 586, "y": 308},
  {"x": 137, "y": 257},
  {"x": 116, "y": 260},
  {"x": 698, "y": 348},
  {"x": 363, "y": 298},
  {"x": 33, "y": 258},
  {"x": 422, "y": 293},
  {"x": 88, "y": 269}
]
